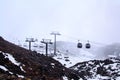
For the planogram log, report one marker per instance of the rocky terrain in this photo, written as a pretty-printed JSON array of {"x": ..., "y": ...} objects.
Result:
[
  {"x": 17, "y": 63},
  {"x": 108, "y": 69}
]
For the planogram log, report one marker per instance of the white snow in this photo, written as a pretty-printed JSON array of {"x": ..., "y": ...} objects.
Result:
[
  {"x": 3, "y": 68},
  {"x": 11, "y": 58},
  {"x": 20, "y": 76},
  {"x": 53, "y": 65},
  {"x": 80, "y": 57},
  {"x": 22, "y": 69},
  {"x": 118, "y": 78},
  {"x": 65, "y": 78},
  {"x": 99, "y": 77}
]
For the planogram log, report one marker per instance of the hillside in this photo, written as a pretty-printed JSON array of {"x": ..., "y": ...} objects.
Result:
[{"x": 17, "y": 63}]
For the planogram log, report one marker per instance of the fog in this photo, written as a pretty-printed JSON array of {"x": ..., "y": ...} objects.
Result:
[{"x": 94, "y": 20}]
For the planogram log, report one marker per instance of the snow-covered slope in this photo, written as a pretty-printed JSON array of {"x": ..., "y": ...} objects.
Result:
[
  {"x": 68, "y": 53},
  {"x": 70, "y": 60},
  {"x": 75, "y": 55}
]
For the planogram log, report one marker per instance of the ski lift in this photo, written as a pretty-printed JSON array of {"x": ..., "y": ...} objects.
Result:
[
  {"x": 79, "y": 45},
  {"x": 35, "y": 45},
  {"x": 67, "y": 60},
  {"x": 59, "y": 58},
  {"x": 88, "y": 45},
  {"x": 41, "y": 46},
  {"x": 66, "y": 57}
]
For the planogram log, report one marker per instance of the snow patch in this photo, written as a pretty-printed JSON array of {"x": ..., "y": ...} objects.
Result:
[
  {"x": 20, "y": 76},
  {"x": 11, "y": 58},
  {"x": 65, "y": 78},
  {"x": 22, "y": 69},
  {"x": 53, "y": 65},
  {"x": 3, "y": 68}
]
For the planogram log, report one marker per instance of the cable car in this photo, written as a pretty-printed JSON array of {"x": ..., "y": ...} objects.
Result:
[
  {"x": 88, "y": 45},
  {"x": 79, "y": 45}
]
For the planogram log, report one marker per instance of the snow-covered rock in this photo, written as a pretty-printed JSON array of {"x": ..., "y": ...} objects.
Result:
[{"x": 108, "y": 69}]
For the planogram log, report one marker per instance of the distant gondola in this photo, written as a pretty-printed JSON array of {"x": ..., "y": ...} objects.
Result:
[
  {"x": 88, "y": 45},
  {"x": 79, "y": 45}
]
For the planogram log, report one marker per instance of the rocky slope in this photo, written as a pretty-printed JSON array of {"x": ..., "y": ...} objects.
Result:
[
  {"x": 17, "y": 63},
  {"x": 108, "y": 69}
]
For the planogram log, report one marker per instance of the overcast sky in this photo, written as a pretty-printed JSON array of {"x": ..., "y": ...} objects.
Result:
[{"x": 94, "y": 20}]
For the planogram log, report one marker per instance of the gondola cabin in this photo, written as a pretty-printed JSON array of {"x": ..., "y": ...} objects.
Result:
[
  {"x": 88, "y": 45},
  {"x": 79, "y": 45}
]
